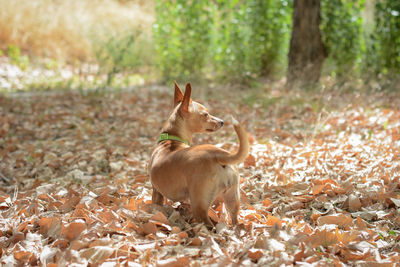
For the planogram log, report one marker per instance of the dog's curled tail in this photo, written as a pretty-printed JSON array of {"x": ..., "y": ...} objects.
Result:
[{"x": 241, "y": 154}]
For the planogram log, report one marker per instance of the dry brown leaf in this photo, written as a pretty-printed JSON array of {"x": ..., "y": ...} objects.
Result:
[
  {"x": 267, "y": 202},
  {"x": 339, "y": 169},
  {"x": 213, "y": 215},
  {"x": 96, "y": 255},
  {"x": 339, "y": 219},
  {"x": 50, "y": 226},
  {"x": 132, "y": 204},
  {"x": 299, "y": 254},
  {"x": 323, "y": 238},
  {"x": 314, "y": 217},
  {"x": 172, "y": 262},
  {"x": 272, "y": 220},
  {"x": 16, "y": 237},
  {"x": 196, "y": 242},
  {"x": 250, "y": 161},
  {"x": 73, "y": 230},
  {"x": 360, "y": 223},
  {"x": 70, "y": 204},
  {"x": 160, "y": 217},
  {"x": 317, "y": 189},
  {"x": 61, "y": 243},
  {"x": 175, "y": 230},
  {"x": 79, "y": 244},
  {"x": 147, "y": 228},
  {"x": 255, "y": 254},
  {"x": 261, "y": 243},
  {"x": 104, "y": 198},
  {"x": 23, "y": 256},
  {"x": 183, "y": 235},
  {"x": 376, "y": 264},
  {"x": 23, "y": 227},
  {"x": 396, "y": 201},
  {"x": 347, "y": 236},
  {"x": 354, "y": 203},
  {"x": 325, "y": 182},
  {"x": 349, "y": 255}
]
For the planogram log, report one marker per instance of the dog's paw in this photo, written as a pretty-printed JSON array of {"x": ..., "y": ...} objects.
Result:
[{"x": 234, "y": 121}]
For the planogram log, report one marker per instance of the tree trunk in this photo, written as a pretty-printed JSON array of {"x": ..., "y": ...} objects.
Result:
[{"x": 307, "y": 52}]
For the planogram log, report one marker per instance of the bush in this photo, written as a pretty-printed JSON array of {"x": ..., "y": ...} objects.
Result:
[
  {"x": 341, "y": 27},
  {"x": 182, "y": 37},
  {"x": 121, "y": 52},
  {"x": 252, "y": 38},
  {"x": 270, "y": 24},
  {"x": 232, "y": 40},
  {"x": 14, "y": 53},
  {"x": 387, "y": 35}
]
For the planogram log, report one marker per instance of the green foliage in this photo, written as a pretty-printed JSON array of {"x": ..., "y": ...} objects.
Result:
[
  {"x": 341, "y": 27},
  {"x": 237, "y": 41},
  {"x": 120, "y": 52},
  {"x": 392, "y": 233},
  {"x": 230, "y": 41},
  {"x": 14, "y": 53},
  {"x": 387, "y": 35},
  {"x": 182, "y": 37},
  {"x": 270, "y": 23},
  {"x": 233, "y": 40},
  {"x": 251, "y": 39}
]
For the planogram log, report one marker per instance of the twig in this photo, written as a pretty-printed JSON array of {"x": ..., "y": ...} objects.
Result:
[{"x": 4, "y": 178}]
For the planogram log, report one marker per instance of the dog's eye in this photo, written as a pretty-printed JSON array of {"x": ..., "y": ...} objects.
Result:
[{"x": 205, "y": 115}]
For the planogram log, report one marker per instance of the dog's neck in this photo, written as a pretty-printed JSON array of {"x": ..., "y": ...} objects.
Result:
[{"x": 175, "y": 125}]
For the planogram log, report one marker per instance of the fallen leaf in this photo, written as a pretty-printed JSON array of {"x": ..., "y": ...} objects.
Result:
[
  {"x": 73, "y": 230},
  {"x": 70, "y": 204},
  {"x": 160, "y": 217},
  {"x": 272, "y": 220},
  {"x": 298, "y": 256},
  {"x": 172, "y": 262},
  {"x": 323, "y": 238},
  {"x": 23, "y": 256},
  {"x": 250, "y": 161},
  {"x": 339, "y": 219},
  {"x": 96, "y": 255},
  {"x": 196, "y": 242},
  {"x": 147, "y": 228},
  {"x": 396, "y": 201},
  {"x": 317, "y": 189},
  {"x": 255, "y": 254},
  {"x": 354, "y": 203},
  {"x": 50, "y": 226}
]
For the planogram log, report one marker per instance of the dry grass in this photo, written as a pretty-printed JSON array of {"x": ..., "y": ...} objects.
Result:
[{"x": 68, "y": 30}]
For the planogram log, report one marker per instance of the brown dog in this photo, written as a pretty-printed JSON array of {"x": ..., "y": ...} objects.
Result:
[{"x": 200, "y": 173}]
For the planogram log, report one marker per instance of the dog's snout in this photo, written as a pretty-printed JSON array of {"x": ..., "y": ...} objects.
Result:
[{"x": 221, "y": 122}]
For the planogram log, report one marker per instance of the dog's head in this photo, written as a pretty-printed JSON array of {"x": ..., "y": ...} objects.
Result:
[{"x": 195, "y": 116}]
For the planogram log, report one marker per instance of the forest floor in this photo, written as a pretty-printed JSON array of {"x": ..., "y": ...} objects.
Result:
[{"x": 321, "y": 183}]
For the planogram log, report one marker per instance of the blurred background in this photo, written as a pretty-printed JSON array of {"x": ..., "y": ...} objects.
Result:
[{"x": 79, "y": 44}]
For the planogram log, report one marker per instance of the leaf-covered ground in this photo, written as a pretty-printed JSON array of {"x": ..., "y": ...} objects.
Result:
[{"x": 321, "y": 184}]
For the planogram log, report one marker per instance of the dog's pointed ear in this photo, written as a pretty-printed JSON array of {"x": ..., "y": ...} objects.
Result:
[
  {"x": 186, "y": 98},
  {"x": 178, "y": 96}
]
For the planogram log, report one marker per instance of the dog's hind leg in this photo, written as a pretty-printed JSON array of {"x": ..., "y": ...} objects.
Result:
[
  {"x": 200, "y": 213},
  {"x": 200, "y": 206},
  {"x": 232, "y": 201},
  {"x": 157, "y": 198}
]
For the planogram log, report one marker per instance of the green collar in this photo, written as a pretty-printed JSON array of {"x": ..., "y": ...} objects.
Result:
[{"x": 165, "y": 136}]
